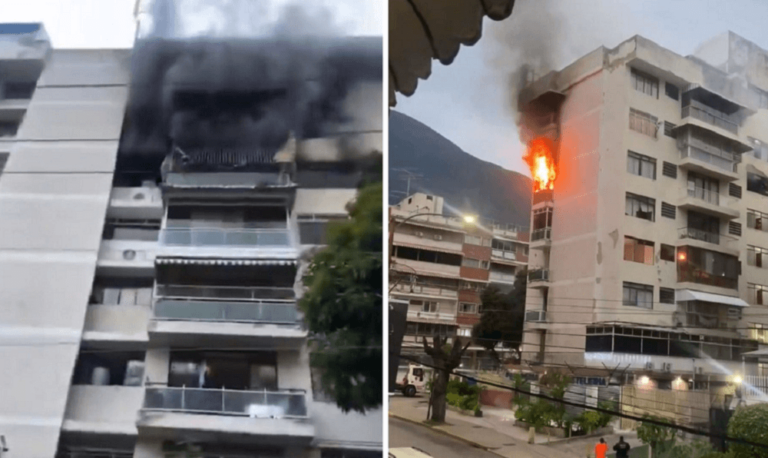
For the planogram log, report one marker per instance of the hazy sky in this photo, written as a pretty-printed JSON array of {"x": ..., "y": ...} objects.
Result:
[
  {"x": 467, "y": 101},
  {"x": 110, "y": 23}
]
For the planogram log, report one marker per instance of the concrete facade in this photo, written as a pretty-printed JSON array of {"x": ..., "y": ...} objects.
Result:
[
  {"x": 442, "y": 264},
  {"x": 97, "y": 339},
  {"x": 689, "y": 125}
]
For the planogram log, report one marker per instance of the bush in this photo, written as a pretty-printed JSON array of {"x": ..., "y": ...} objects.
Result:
[
  {"x": 749, "y": 423},
  {"x": 605, "y": 418},
  {"x": 463, "y": 395},
  {"x": 588, "y": 421}
]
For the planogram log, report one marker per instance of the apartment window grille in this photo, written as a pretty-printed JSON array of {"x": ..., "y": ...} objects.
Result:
[
  {"x": 669, "y": 170},
  {"x": 637, "y": 250},
  {"x": 734, "y": 190},
  {"x": 734, "y": 228},
  {"x": 668, "y": 210},
  {"x": 640, "y": 207},
  {"x": 468, "y": 308},
  {"x": 638, "y": 295},
  {"x": 645, "y": 83},
  {"x": 641, "y": 165},
  {"x": 643, "y": 123},
  {"x": 758, "y": 294},
  {"x": 757, "y": 257},
  {"x": 666, "y": 296},
  {"x": 672, "y": 91},
  {"x": 669, "y": 129},
  {"x": 667, "y": 253},
  {"x": 757, "y": 220}
]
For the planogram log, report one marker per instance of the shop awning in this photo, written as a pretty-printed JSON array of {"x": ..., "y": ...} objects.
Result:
[{"x": 683, "y": 295}]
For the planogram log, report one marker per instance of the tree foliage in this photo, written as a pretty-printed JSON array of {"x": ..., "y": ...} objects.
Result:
[
  {"x": 749, "y": 423},
  {"x": 343, "y": 305},
  {"x": 503, "y": 315},
  {"x": 661, "y": 438}
]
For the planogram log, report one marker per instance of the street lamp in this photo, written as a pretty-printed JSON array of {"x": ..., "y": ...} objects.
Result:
[{"x": 469, "y": 219}]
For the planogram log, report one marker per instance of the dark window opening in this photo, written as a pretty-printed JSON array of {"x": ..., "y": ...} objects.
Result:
[
  {"x": 109, "y": 368},
  {"x": 250, "y": 371},
  {"x": 18, "y": 90},
  {"x": 666, "y": 296},
  {"x": 672, "y": 91},
  {"x": 667, "y": 253},
  {"x": 757, "y": 183},
  {"x": 131, "y": 229},
  {"x": 228, "y": 217},
  {"x": 640, "y": 207},
  {"x": 3, "y": 161},
  {"x": 669, "y": 129},
  {"x": 438, "y": 257},
  {"x": 708, "y": 267}
]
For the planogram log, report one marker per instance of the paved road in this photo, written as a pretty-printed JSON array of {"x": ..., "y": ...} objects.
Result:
[{"x": 404, "y": 434}]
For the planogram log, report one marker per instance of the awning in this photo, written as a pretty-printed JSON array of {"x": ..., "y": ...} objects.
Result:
[
  {"x": 225, "y": 262},
  {"x": 683, "y": 295},
  {"x": 752, "y": 169}
]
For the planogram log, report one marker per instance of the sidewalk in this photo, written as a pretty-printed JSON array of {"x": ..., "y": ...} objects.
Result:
[{"x": 479, "y": 432}]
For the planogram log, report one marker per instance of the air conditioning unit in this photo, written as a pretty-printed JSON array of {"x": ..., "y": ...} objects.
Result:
[
  {"x": 666, "y": 367},
  {"x": 649, "y": 366}
]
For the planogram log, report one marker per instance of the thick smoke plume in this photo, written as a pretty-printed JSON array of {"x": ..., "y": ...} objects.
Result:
[{"x": 231, "y": 91}]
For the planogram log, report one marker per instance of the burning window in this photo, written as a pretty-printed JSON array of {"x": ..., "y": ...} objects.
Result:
[
  {"x": 640, "y": 207},
  {"x": 637, "y": 250},
  {"x": 540, "y": 158}
]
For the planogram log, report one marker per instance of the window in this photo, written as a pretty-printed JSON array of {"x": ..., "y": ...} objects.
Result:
[
  {"x": 704, "y": 188},
  {"x": 757, "y": 220},
  {"x": 467, "y": 308},
  {"x": 734, "y": 190},
  {"x": 760, "y": 333},
  {"x": 667, "y": 253},
  {"x": 9, "y": 128},
  {"x": 666, "y": 296},
  {"x": 640, "y": 207},
  {"x": 475, "y": 240},
  {"x": 668, "y": 210},
  {"x": 426, "y": 306},
  {"x": 465, "y": 332},
  {"x": 758, "y": 294},
  {"x": 734, "y": 228},
  {"x": 644, "y": 123},
  {"x": 669, "y": 170},
  {"x": 669, "y": 129},
  {"x": 707, "y": 267},
  {"x": 637, "y": 250},
  {"x": 641, "y": 165},
  {"x": 474, "y": 263},
  {"x": 759, "y": 149},
  {"x": 638, "y": 295},
  {"x": 672, "y": 91},
  {"x": 757, "y": 183},
  {"x": 131, "y": 229},
  {"x": 757, "y": 257},
  {"x": 645, "y": 83}
]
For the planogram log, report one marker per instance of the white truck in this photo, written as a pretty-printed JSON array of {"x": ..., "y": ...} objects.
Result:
[{"x": 412, "y": 379}]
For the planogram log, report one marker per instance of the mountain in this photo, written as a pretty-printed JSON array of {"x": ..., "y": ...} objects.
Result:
[{"x": 467, "y": 183}]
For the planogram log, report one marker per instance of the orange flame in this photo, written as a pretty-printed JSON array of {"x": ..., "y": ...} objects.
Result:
[{"x": 541, "y": 161}]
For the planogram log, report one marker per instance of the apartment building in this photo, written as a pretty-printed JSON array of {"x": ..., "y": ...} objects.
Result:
[
  {"x": 647, "y": 256},
  {"x": 442, "y": 265},
  {"x": 146, "y": 312}
]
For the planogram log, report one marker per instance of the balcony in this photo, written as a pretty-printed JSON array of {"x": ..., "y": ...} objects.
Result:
[
  {"x": 263, "y": 315},
  {"x": 105, "y": 409},
  {"x": 541, "y": 237},
  {"x": 410, "y": 266},
  {"x": 710, "y": 116},
  {"x": 136, "y": 203},
  {"x": 432, "y": 316},
  {"x": 538, "y": 278},
  {"x": 424, "y": 290},
  {"x": 427, "y": 241},
  {"x": 500, "y": 277},
  {"x": 503, "y": 255},
  {"x": 709, "y": 202},
  {"x": 700, "y": 277},
  {"x": 258, "y": 416},
  {"x": 704, "y": 239},
  {"x": 217, "y": 242}
]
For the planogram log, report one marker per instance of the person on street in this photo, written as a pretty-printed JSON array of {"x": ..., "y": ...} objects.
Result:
[
  {"x": 621, "y": 448},
  {"x": 601, "y": 449}
]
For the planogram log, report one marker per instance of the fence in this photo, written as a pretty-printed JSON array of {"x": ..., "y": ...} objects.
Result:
[
  {"x": 254, "y": 404},
  {"x": 224, "y": 237},
  {"x": 680, "y": 406}
]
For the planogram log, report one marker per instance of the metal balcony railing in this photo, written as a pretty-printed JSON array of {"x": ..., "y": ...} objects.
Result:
[
  {"x": 699, "y": 234},
  {"x": 725, "y": 161},
  {"x": 538, "y": 275},
  {"x": 710, "y": 116},
  {"x": 224, "y": 237},
  {"x": 702, "y": 277},
  {"x": 253, "y": 404},
  {"x": 536, "y": 316},
  {"x": 242, "y": 312},
  {"x": 707, "y": 195},
  {"x": 239, "y": 293},
  {"x": 541, "y": 234}
]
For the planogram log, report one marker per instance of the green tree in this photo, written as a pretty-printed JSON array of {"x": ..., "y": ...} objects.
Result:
[
  {"x": 343, "y": 306},
  {"x": 503, "y": 316},
  {"x": 749, "y": 423},
  {"x": 660, "y": 438}
]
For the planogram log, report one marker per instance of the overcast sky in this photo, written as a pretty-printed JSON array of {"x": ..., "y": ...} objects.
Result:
[
  {"x": 110, "y": 23},
  {"x": 467, "y": 101}
]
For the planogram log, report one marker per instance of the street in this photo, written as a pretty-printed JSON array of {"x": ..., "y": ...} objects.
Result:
[{"x": 406, "y": 434}]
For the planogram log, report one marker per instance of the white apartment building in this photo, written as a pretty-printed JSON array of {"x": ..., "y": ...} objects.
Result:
[
  {"x": 144, "y": 313},
  {"x": 648, "y": 255},
  {"x": 442, "y": 264}
]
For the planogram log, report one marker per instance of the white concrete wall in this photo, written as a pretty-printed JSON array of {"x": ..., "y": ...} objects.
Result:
[
  {"x": 103, "y": 409},
  {"x": 52, "y": 206}
]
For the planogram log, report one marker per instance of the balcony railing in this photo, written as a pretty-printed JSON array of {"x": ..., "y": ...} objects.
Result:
[
  {"x": 700, "y": 234},
  {"x": 538, "y": 275},
  {"x": 710, "y": 116},
  {"x": 725, "y": 161},
  {"x": 224, "y": 237},
  {"x": 234, "y": 312},
  {"x": 511, "y": 255},
  {"x": 506, "y": 278},
  {"x": 426, "y": 289},
  {"x": 536, "y": 316},
  {"x": 707, "y": 195},
  {"x": 448, "y": 317},
  {"x": 241, "y": 293},
  {"x": 701, "y": 277},
  {"x": 541, "y": 234},
  {"x": 253, "y": 404}
]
